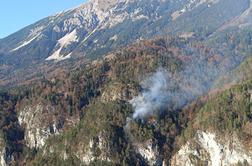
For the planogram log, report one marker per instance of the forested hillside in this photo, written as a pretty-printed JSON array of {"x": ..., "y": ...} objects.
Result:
[{"x": 85, "y": 116}]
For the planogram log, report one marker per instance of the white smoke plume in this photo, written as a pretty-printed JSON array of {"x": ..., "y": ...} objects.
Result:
[
  {"x": 170, "y": 91},
  {"x": 164, "y": 90},
  {"x": 152, "y": 99}
]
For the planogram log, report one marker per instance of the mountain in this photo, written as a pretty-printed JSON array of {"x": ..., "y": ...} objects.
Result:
[
  {"x": 98, "y": 27},
  {"x": 91, "y": 115},
  {"x": 130, "y": 82},
  {"x": 242, "y": 20}
]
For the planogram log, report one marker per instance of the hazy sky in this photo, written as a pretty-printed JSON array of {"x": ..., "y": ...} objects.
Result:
[{"x": 16, "y": 14}]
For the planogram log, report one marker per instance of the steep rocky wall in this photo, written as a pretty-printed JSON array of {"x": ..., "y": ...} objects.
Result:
[
  {"x": 208, "y": 149},
  {"x": 40, "y": 122}
]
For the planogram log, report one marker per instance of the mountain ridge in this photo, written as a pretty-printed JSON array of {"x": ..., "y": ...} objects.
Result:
[
  {"x": 95, "y": 22},
  {"x": 88, "y": 32}
]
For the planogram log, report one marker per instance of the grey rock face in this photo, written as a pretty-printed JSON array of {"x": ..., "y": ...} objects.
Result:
[
  {"x": 97, "y": 27},
  {"x": 94, "y": 24}
]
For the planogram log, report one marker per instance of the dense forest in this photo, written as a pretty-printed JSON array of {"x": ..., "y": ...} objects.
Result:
[{"x": 91, "y": 102}]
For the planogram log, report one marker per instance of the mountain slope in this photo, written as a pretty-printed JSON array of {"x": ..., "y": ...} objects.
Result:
[
  {"x": 97, "y": 27},
  {"x": 220, "y": 133},
  {"x": 86, "y": 115},
  {"x": 243, "y": 20},
  {"x": 85, "y": 98},
  {"x": 85, "y": 23}
]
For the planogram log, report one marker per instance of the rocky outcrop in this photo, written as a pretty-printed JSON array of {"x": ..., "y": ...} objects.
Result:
[
  {"x": 208, "y": 149},
  {"x": 6, "y": 157},
  {"x": 149, "y": 152},
  {"x": 87, "y": 154},
  {"x": 2, "y": 153},
  {"x": 37, "y": 131},
  {"x": 2, "y": 157},
  {"x": 118, "y": 91},
  {"x": 40, "y": 122}
]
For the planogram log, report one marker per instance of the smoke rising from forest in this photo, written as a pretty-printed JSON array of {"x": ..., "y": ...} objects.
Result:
[{"x": 164, "y": 90}]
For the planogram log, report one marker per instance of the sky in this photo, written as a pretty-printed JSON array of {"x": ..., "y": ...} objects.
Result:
[{"x": 16, "y": 14}]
